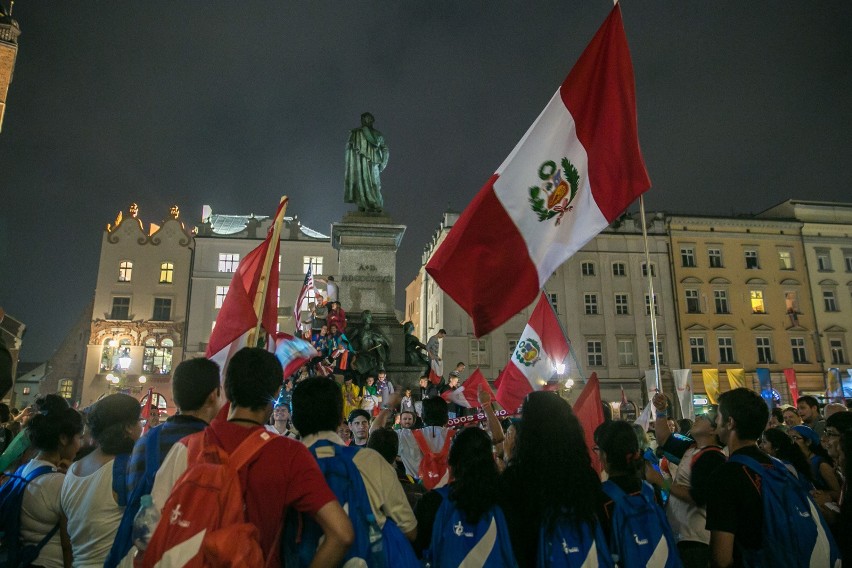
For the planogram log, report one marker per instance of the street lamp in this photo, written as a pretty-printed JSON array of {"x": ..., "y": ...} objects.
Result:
[
  {"x": 142, "y": 379},
  {"x": 124, "y": 360}
]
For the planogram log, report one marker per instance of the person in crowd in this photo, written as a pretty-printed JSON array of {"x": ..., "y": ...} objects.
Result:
[
  {"x": 6, "y": 434},
  {"x": 684, "y": 426},
  {"x": 384, "y": 387},
  {"x": 843, "y": 525},
  {"x": 282, "y": 421},
  {"x": 457, "y": 372},
  {"x": 370, "y": 396},
  {"x": 344, "y": 432},
  {"x": 19, "y": 451},
  {"x": 822, "y": 467},
  {"x": 506, "y": 450},
  {"x": 407, "y": 419},
  {"x": 778, "y": 444},
  {"x": 549, "y": 445},
  {"x": 433, "y": 348},
  {"x": 407, "y": 402},
  {"x": 776, "y": 418},
  {"x": 735, "y": 509},
  {"x": 808, "y": 407},
  {"x": 54, "y": 434},
  {"x": 252, "y": 382},
  {"x": 386, "y": 442},
  {"x": 833, "y": 408},
  {"x": 452, "y": 384},
  {"x": 319, "y": 313},
  {"x": 331, "y": 288},
  {"x": 359, "y": 424},
  {"x": 320, "y": 341},
  {"x": 336, "y": 317},
  {"x": 791, "y": 417},
  {"x": 351, "y": 395},
  {"x": 339, "y": 348},
  {"x": 316, "y": 405},
  {"x": 88, "y": 496}
]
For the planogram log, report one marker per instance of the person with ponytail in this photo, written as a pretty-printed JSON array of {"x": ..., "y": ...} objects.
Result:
[
  {"x": 54, "y": 435},
  {"x": 94, "y": 491}
]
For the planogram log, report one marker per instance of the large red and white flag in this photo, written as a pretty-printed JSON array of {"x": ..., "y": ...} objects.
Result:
[
  {"x": 540, "y": 348},
  {"x": 467, "y": 394},
  {"x": 589, "y": 411},
  {"x": 436, "y": 371},
  {"x": 237, "y": 318},
  {"x": 576, "y": 170}
]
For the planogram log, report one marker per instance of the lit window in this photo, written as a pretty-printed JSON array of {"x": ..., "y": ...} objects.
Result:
[
  {"x": 626, "y": 357},
  {"x": 26, "y": 390},
  {"x": 659, "y": 352},
  {"x": 751, "y": 259},
  {"x": 120, "y": 308},
  {"x": 714, "y": 257},
  {"x": 648, "y": 305},
  {"x": 785, "y": 260},
  {"x": 162, "y": 309},
  {"x": 687, "y": 257},
  {"x": 757, "y": 305},
  {"x": 66, "y": 388},
  {"x": 693, "y": 305},
  {"x": 314, "y": 262},
  {"x": 167, "y": 272},
  {"x": 622, "y": 305},
  {"x": 797, "y": 345},
  {"x": 726, "y": 350},
  {"x": 619, "y": 269},
  {"x": 764, "y": 350},
  {"x": 594, "y": 350},
  {"x": 645, "y": 270},
  {"x": 157, "y": 359},
  {"x": 697, "y": 350},
  {"x": 720, "y": 299},
  {"x": 829, "y": 301},
  {"x": 221, "y": 292},
  {"x": 591, "y": 304},
  {"x": 587, "y": 268},
  {"x": 823, "y": 260},
  {"x": 478, "y": 352},
  {"x": 228, "y": 262},
  {"x": 838, "y": 354},
  {"x": 125, "y": 271}
]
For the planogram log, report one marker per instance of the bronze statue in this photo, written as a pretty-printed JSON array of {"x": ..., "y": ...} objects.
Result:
[
  {"x": 414, "y": 349},
  {"x": 366, "y": 157},
  {"x": 370, "y": 344}
]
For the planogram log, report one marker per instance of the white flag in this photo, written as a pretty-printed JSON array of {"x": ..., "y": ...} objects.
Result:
[{"x": 683, "y": 385}]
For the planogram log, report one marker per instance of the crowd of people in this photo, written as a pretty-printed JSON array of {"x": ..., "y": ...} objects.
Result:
[{"x": 323, "y": 479}]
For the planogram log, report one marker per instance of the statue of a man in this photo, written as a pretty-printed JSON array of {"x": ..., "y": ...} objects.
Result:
[
  {"x": 371, "y": 345},
  {"x": 366, "y": 157}
]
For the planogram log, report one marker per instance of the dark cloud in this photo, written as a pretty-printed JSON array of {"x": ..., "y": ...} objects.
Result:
[{"x": 741, "y": 105}]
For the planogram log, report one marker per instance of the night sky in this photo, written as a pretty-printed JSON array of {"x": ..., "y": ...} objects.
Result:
[{"x": 741, "y": 105}]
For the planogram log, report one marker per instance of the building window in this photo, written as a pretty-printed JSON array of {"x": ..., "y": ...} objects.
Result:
[
  {"x": 120, "y": 308},
  {"x": 785, "y": 260},
  {"x": 587, "y": 268},
  {"x": 693, "y": 305},
  {"x": 221, "y": 292},
  {"x": 162, "y": 309},
  {"x": 726, "y": 350},
  {"x": 687, "y": 257},
  {"x": 594, "y": 352},
  {"x": 228, "y": 262},
  {"x": 659, "y": 352},
  {"x": 764, "y": 350},
  {"x": 720, "y": 299},
  {"x": 838, "y": 354},
  {"x": 125, "y": 271},
  {"x": 591, "y": 304},
  {"x": 512, "y": 345},
  {"x": 697, "y": 350},
  {"x": 791, "y": 303},
  {"x": 751, "y": 259},
  {"x": 757, "y": 305},
  {"x": 312, "y": 262},
  {"x": 823, "y": 260},
  {"x": 26, "y": 390},
  {"x": 619, "y": 269},
  {"x": 167, "y": 272},
  {"x": 157, "y": 359},
  {"x": 478, "y": 352},
  {"x": 66, "y": 388},
  {"x": 645, "y": 270},
  {"x": 622, "y": 305},
  {"x": 626, "y": 357},
  {"x": 648, "y": 305},
  {"x": 829, "y": 301},
  {"x": 847, "y": 259},
  {"x": 554, "y": 301},
  {"x": 715, "y": 258},
  {"x": 797, "y": 345}
]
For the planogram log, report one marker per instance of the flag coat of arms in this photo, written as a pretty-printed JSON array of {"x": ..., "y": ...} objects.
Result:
[
  {"x": 540, "y": 348},
  {"x": 576, "y": 170},
  {"x": 467, "y": 394}
]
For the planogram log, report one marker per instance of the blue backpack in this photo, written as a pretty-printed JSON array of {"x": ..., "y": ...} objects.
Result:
[
  {"x": 457, "y": 542},
  {"x": 11, "y": 499},
  {"x": 640, "y": 534},
  {"x": 794, "y": 532},
  {"x": 302, "y": 534},
  {"x": 567, "y": 543}
]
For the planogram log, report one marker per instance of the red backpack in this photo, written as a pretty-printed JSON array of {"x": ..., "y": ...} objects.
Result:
[
  {"x": 434, "y": 470},
  {"x": 203, "y": 521}
]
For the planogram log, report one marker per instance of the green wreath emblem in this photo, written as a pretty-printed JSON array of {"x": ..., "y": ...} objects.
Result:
[{"x": 545, "y": 173}]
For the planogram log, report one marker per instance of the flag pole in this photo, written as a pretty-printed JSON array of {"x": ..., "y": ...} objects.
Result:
[
  {"x": 568, "y": 339},
  {"x": 652, "y": 301},
  {"x": 263, "y": 285}
]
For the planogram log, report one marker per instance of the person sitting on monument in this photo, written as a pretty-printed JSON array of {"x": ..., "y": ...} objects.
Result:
[
  {"x": 339, "y": 348},
  {"x": 336, "y": 316}
]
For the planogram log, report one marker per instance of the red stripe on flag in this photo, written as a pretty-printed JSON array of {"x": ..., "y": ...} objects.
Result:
[
  {"x": 589, "y": 412},
  {"x": 514, "y": 387},
  {"x": 485, "y": 233}
]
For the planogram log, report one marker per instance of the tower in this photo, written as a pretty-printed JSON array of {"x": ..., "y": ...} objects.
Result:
[{"x": 9, "y": 32}]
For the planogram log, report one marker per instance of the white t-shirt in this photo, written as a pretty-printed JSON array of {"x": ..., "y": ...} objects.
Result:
[
  {"x": 410, "y": 452},
  {"x": 93, "y": 515},
  {"x": 687, "y": 520},
  {"x": 40, "y": 512}
]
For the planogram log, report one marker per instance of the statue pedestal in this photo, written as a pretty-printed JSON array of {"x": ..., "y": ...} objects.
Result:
[{"x": 367, "y": 245}]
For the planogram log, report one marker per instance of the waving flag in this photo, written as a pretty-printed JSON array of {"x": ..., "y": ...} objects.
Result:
[
  {"x": 307, "y": 286},
  {"x": 237, "y": 317},
  {"x": 436, "y": 371},
  {"x": 293, "y": 352},
  {"x": 576, "y": 170},
  {"x": 589, "y": 411},
  {"x": 540, "y": 348},
  {"x": 467, "y": 394}
]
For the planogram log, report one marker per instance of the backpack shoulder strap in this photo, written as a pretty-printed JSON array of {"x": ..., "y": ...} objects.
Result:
[
  {"x": 447, "y": 441},
  {"x": 612, "y": 490},
  {"x": 706, "y": 450},
  {"x": 41, "y": 470},
  {"x": 248, "y": 448},
  {"x": 421, "y": 442}
]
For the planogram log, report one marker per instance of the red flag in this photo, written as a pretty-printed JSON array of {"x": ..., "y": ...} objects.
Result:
[
  {"x": 540, "y": 348},
  {"x": 293, "y": 352},
  {"x": 467, "y": 394},
  {"x": 790, "y": 375},
  {"x": 589, "y": 411},
  {"x": 576, "y": 169},
  {"x": 436, "y": 371},
  {"x": 623, "y": 397},
  {"x": 237, "y": 317}
]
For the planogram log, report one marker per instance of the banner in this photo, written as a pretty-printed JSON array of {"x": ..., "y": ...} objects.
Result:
[
  {"x": 847, "y": 384},
  {"x": 711, "y": 383},
  {"x": 765, "y": 380},
  {"x": 683, "y": 385},
  {"x": 479, "y": 417},
  {"x": 736, "y": 378},
  {"x": 833, "y": 392},
  {"x": 790, "y": 376}
]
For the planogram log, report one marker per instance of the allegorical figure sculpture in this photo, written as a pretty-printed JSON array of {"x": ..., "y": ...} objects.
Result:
[
  {"x": 414, "y": 349},
  {"x": 370, "y": 344},
  {"x": 366, "y": 157}
]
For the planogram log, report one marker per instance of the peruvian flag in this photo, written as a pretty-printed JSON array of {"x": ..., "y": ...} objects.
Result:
[
  {"x": 589, "y": 411},
  {"x": 576, "y": 169},
  {"x": 436, "y": 371},
  {"x": 237, "y": 318},
  {"x": 467, "y": 394},
  {"x": 540, "y": 348}
]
